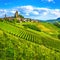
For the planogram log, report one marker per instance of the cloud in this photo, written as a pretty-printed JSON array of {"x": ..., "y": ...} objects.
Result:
[
  {"x": 32, "y": 12},
  {"x": 28, "y": 10},
  {"x": 39, "y": 13},
  {"x": 35, "y": 12},
  {"x": 56, "y": 12},
  {"x": 2, "y": 12},
  {"x": 48, "y": 1},
  {"x": 8, "y": 12}
]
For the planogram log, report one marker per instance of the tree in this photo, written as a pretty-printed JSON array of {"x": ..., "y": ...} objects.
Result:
[
  {"x": 21, "y": 16},
  {"x": 59, "y": 36},
  {"x": 1, "y": 19}
]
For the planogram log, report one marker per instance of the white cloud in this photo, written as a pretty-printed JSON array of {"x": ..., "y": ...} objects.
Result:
[
  {"x": 2, "y": 12},
  {"x": 8, "y": 12},
  {"x": 35, "y": 12},
  {"x": 13, "y": 11},
  {"x": 32, "y": 12},
  {"x": 45, "y": 13},
  {"x": 48, "y": 1},
  {"x": 27, "y": 14},
  {"x": 56, "y": 12},
  {"x": 27, "y": 7}
]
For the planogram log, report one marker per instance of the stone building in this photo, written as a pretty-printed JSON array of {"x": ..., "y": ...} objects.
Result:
[
  {"x": 16, "y": 14},
  {"x": 17, "y": 17}
]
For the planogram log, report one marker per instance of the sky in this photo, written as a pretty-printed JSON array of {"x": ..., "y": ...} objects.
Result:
[{"x": 35, "y": 9}]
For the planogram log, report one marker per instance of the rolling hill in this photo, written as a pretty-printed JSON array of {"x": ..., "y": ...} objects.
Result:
[{"x": 29, "y": 41}]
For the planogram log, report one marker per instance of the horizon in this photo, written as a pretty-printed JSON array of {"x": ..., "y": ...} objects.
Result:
[{"x": 37, "y": 9}]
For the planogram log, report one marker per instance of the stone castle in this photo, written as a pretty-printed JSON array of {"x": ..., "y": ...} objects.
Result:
[
  {"x": 16, "y": 16},
  {"x": 19, "y": 18}
]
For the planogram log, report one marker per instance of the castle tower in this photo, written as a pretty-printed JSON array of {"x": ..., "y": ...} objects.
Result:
[
  {"x": 16, "y": 14},
  {"x": 5, "y": 15}
]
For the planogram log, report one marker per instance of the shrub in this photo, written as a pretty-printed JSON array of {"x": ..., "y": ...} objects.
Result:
[
  {"x": 31, "y": 27},
  {"x": 59, "y": 36}
]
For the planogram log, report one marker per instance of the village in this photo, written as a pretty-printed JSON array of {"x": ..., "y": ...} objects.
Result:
[{"x": 18, "y": 18}]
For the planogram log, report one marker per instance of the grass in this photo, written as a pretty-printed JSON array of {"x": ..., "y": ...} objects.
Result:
[
  {"x": 13, "y": 48},
  {"x": 29, "y": 41}
]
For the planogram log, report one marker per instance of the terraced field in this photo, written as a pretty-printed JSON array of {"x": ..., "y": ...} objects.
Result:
[{"x": 21, "y": 42}]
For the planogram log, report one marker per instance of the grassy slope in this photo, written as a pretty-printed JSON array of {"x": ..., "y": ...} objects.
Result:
[
  {"x": 42, "y": 46},
  {"x": 49, "y": 40},
  {"x": 14, "y": 48}
]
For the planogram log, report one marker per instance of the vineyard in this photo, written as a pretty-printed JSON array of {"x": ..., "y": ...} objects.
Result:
[{"x": 29, "y": 41}]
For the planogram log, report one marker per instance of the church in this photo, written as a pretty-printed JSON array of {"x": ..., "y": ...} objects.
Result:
[
  {"x": 16, "y": 16},
  {"x": 19, "y": 18}
]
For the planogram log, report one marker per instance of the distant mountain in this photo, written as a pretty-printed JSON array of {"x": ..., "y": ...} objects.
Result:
[
  {"x": 58, "y": 19},
  {"x": 53, "y": 20}
]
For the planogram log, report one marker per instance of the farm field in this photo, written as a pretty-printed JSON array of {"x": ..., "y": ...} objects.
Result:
[{"x": 29, "y": 41}]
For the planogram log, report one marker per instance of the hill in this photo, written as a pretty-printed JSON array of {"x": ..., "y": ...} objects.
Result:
[
  {"x": 29, "y": 41},
  {"x": 52, "y": 20},
  {"x": 58, "y": 18}
]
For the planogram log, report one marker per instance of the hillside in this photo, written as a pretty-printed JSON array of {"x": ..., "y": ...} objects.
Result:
[{"x": 29, "y": 41}]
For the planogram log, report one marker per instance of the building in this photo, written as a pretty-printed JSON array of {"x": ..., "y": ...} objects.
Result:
[
  {"x": 19, "y": 18},
  {"x": 16, "y": 14}
]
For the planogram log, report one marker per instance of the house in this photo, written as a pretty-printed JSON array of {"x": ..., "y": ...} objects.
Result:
[{"x": 19, "y": 18}]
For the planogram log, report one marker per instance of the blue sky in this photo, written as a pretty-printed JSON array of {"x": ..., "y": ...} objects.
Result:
[{"x": 35, "y": 9}]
